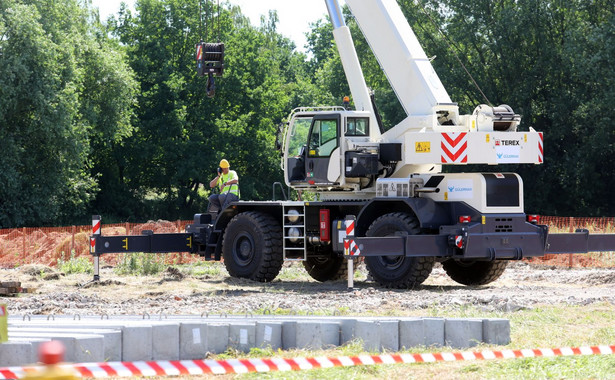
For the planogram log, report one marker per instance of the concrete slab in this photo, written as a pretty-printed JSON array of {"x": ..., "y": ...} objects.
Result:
[
  {"x": 14, "y": 352},
  {"x": 137, "y": 343},
  {"x": 411, "y": 333},
  {"x": 463, "y": 333},
  {"x": 242, "y": 337},
  {"x": 112, "y": 337},
  {"x": 496, "y": 331},
  {"x": 191, "y": 337},
  {"x": 198, "y": 339},
  {"x": 314, "y": 335},
  {"x": 80, "y": 348},
  {"x": 217, "y": 337},
  {"x": 165, "y": 341},
  {"x": 389, "y": 335},
  {"x": 433, "y": 329},
  {"x": 289, "y": 335},
  {"x": 269, "y": 334},
  {"x": 368, "y": 334},
  {"x": 137, "y": 335}
]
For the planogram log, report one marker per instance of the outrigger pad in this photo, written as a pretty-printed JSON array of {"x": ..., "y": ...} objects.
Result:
[{"x": 210, "y": 58}]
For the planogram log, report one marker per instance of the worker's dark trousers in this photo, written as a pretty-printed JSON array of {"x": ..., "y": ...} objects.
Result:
[{"x": 219, "y": 201}]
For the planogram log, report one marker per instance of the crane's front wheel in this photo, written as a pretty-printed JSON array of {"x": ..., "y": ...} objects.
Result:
[
  {"x": 252, "y": 247},
  {"x": 474, "y": 272},
  {"x": 397, "y": 271}
]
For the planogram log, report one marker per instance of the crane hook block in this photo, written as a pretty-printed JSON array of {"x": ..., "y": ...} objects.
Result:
[{"x": 209, "y": 58}]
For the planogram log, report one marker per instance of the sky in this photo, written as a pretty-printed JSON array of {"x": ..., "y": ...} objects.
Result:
[{"x": 294, "y": 15}]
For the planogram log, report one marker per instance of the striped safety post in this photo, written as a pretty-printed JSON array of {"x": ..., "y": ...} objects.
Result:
[
  {"x": 96, "y": 231},
  {"x": 349, "y": 224},
  {"x": 239, "y": 366}
]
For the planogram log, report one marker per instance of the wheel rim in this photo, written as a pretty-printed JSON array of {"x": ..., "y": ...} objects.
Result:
[
  {"x": 391, "y": 262},
  {"x": 243, "y": 249}
]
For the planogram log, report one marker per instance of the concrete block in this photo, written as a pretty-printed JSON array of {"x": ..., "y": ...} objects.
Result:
[
  {"x": 433, "y": 329},
  {"x": 217, "y": 336},
  {"x": 289, "y": 335},
  {"x": 463, "y": 333},
  {"x": 35, "y": 342},
  {"x": 137, "y": 343},
  {"x": 269, "y": 334},
  {"x": 317, "y": 335},
  {"x": 348, "y": 330},
  {"x": 369, "y": 333},
  {"x": 411, "y": 333},
  {"x": 14, "y": 352},
  {"x": 80, "y": 348},
  {"x": 496, "y": 331},
  {"x": 242, "y": 337},
  {"x": 165, "y": 341},
  {"x": 197, "y": 339},
  {"x": 112, "y": 338},
  {"x": 389, "y": 335}
]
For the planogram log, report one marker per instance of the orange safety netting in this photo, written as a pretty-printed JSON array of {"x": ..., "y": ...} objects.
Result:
[
  {"x": 580, "y": 260},
  {"x": 47, "y": 245}
]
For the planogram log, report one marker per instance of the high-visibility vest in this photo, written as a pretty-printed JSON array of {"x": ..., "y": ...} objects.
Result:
[{"x": 229, "y": 177}]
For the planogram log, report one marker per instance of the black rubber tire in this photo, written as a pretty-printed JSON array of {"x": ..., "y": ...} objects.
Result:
[
  {"x": 474, "y": 272},
  {"x": 252, "y": 247},
  {"x": 331, "y": 268},
  {"x": 397, "y": 271}
]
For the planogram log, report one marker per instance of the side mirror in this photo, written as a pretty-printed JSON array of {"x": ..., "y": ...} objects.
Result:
[{"x": 279, "y": 137}]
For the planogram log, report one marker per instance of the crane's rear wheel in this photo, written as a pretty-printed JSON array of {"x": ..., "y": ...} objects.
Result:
[
  {"x": 397, "y": 271},
  {"x": 252, "y": 247},
  {"x": 474, "y": 272},
  {"x": 327, "y": 268}
]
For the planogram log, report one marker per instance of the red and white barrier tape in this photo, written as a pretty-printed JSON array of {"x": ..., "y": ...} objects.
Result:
[{"x": 219, "y": 367}]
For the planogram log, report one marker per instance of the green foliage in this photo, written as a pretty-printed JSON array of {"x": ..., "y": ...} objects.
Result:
[
  {"x": 202, "y": 268},
  {"x": 62, "y": 84},
  {"x": 74, "y": 264},
  {"x": 145, "y": 264},
  {"x": 111, "y": 118}
]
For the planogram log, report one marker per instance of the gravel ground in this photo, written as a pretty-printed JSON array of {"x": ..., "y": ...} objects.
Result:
[{"x": 173, "y": 292}]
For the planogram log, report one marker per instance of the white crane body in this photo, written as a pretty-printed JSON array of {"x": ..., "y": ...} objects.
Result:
[{"x": 381, "y": 193}]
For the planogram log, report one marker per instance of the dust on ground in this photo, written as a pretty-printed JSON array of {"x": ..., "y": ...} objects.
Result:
[{"x": 177, "y": 291}]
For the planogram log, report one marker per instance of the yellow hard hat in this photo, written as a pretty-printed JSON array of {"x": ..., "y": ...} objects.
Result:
[{"x": 224, "y": 163}]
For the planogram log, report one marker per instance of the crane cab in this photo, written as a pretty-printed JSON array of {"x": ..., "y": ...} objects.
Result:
[{"x": 330, "y": 148}]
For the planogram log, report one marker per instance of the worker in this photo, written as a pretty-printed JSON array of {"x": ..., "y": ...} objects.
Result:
[{"x": 227, "y": 182}]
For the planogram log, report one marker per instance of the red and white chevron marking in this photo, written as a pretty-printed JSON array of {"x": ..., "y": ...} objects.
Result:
[
  {"x": 540, "y": 149},
  {"x": 454, "y": 148},
  {"x": 351, "y": 248},
  {"x": 220, "y": 367}
]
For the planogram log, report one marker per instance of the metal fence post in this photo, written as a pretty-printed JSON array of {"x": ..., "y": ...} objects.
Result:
[
  {"x": 23, "y": 244},
  {"x": 571, "y": 222}
]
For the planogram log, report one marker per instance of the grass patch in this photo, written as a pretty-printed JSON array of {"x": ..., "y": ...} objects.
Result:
[
  {"x": 202, "y": 269},
  {"x": 81, "y": 264},
  {"x": 144, "y": 264}
]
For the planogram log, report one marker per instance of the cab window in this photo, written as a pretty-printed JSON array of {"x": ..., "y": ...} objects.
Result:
[
  {"x": 298, "y": 135},
  {"x": 357, "y": 126},
  {"x": 323, "y": 138}
]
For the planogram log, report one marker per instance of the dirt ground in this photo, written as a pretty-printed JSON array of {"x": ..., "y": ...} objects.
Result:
[{"x": 173, "y": 292}]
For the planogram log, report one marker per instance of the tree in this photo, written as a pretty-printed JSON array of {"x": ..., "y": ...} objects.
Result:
[
  {"x": 63, "y": 86},
  {"x": 181, "y": 135}
]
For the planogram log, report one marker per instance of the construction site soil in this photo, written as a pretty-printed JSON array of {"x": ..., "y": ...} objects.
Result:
[{"x": 175, "y": 291}]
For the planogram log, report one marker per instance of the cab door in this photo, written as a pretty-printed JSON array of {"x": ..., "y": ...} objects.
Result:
[{"x": 323, "y": 143}]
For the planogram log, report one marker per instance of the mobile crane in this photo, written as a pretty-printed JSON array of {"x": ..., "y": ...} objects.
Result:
[{"x": 381, "y": 194}]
